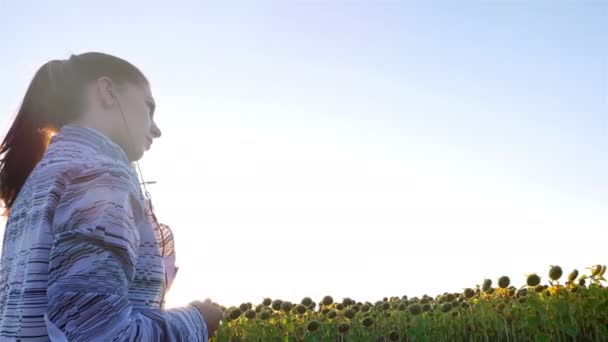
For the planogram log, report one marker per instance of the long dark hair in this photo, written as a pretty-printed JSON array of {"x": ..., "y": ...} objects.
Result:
[{"x": 53, "y": 99}]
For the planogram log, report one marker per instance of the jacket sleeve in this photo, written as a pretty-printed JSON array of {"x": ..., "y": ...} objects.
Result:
[{"x": 92, "y": 262}]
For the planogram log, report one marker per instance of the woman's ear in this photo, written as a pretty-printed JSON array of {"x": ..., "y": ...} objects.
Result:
[{"x": 104, "y": 89}]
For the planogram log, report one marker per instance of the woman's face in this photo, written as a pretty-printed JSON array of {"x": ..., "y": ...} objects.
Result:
[{"x": 138, "y": 107}]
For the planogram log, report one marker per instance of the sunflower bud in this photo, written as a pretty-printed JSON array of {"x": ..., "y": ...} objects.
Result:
[
  {"x": 487, "y": 283},
  {"x": 343, "y": 328},
  {"x": 347, "y": 302},
  {"x": 367, "y": 321},
  {"x": 312, "y": 326},
  {"x": 415, "y": 309},
  {"x": 234, "y": 314},
  {"x": 250, "y": 314},
  {"x": 264, "y": 315},
  {"x": 533, "y": 280},
  {"x": 276, "y": 304},
  {"x": 555, "y": 272},
  {"x": 572, "y": 276},
  {"x": 327, "y": 300},
  {"x": 503, "y": 282},
  {"x": 306, "y": 301},
  {"x": 286, "y": 306},
  {"x": 349, "y": 313},
  {"x": 300, "y": 309}
]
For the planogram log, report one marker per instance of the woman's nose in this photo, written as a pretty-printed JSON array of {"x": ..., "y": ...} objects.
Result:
[{"x": 156, "y": 133}]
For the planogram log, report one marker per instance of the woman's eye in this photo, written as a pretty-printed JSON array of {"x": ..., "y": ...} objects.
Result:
[{"x": 150, "y": 109}]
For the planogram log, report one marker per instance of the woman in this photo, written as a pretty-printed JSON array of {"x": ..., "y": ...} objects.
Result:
[{"x": 81, "y": 260}]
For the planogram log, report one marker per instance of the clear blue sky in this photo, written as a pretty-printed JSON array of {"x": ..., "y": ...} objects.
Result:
[{"x": 343, "y": 141}]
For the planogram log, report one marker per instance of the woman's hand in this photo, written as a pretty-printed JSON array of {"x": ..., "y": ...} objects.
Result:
[{"x": 212, "y": 313}]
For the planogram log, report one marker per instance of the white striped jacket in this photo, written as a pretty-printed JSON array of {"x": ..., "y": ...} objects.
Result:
[{"x": 80, "y": 257}]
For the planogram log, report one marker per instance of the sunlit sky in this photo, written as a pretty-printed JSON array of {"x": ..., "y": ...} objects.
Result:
[{"x": 354, "y": 148}]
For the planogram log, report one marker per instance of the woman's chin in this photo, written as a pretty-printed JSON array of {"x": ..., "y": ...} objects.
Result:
[{"x": 135, "y": 156}]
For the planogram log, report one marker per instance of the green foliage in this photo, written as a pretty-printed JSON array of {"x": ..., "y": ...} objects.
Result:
[{"x": 534, "y": 312}]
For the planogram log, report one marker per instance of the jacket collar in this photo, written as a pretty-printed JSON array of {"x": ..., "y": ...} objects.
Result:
[{"x": 92, "y": 141}]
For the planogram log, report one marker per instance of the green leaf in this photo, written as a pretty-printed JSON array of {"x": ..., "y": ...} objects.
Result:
[
  {"x": 571, "y": 330},
  {"x": 543, "y": 338},
  {"x": 532, "y": 321},
  {"x": 562, "y": 308}
]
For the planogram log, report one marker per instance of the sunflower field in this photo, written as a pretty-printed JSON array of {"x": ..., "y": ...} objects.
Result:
[{"x": 566, "y": 308}]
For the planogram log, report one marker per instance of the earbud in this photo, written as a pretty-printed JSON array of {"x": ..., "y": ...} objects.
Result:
[{"x": 111, "y": 92}]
